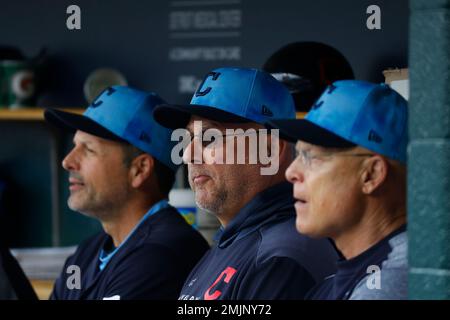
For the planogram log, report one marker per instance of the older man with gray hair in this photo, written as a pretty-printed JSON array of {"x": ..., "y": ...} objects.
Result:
[{"x": 350, "y": 185}]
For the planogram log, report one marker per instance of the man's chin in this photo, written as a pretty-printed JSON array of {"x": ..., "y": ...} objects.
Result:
[
  {"x": 302, "y": 227},
  {"x": 79, "y": 210},
  {"x": 309, "y": 230},
  {"x": 207, "y": 209},
  {"x": 78, "y": 207},
  {"x": 205, "y": 205}
]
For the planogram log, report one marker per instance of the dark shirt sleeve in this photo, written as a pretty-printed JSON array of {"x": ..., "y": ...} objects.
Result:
[
  {"x": 142, "y": 277},
  {"x": 276, "y": 278}
]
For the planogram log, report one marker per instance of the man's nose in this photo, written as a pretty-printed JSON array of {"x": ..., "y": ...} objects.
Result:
[
  {"x": 70, "y": 162},
  {"x": 294, "y": 173}
]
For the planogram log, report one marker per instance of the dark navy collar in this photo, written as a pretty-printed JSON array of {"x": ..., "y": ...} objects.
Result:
[
  {"x": 106, "y": 255},
  {"x": 376, "y": 252},
  {"x": 93, "y": 273},
  {"x": 271, "y": 204}
]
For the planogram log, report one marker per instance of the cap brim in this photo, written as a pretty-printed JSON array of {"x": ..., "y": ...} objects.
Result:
[
  {"x": 71, "y": 122},
  {"x": 178, "y": 116},
  {"x": 304, "y": 130}
]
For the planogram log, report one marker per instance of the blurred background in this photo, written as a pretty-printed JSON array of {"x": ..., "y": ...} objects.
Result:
[{"x": 163, "y": 46}]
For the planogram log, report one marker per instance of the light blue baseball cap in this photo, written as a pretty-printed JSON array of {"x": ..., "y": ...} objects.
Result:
[
  {"x": 232, "y": 95},
  {"x": 123, "y": 114},
  {"x": 350, "y": 113}
]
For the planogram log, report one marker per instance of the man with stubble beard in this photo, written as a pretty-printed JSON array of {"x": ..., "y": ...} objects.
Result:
[{"x": 258, "y": 254}]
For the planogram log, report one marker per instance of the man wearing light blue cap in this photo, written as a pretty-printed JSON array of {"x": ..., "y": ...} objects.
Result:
[
  {"x": 120, "y": 173},
  {"x": 350, "y": 185},
  {"x": 258, "y": 253}
]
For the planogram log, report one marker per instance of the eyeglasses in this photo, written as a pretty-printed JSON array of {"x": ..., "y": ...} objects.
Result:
[{"x": 307, "y": 157}]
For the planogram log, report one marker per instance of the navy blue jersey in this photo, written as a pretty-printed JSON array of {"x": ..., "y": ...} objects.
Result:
[
  {"x": 354, "y": 278},
  {"x": 152, "y": 264},
  {"x": 260, "y": 255}
]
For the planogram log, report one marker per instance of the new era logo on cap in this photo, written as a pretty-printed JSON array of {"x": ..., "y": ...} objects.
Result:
[
  {"x": 246, "y": 93},
  {"x": 369, "y": 115},
  {"x": 145, "y": 137},
  {"x": 266, "y": 112},
  {"x": 125, "y": 114},
  {"x": 373, "y": 136},
  {"x": 350, "y": 113},
  {"x": 128, "y": 113},
  {"x": 232, "y": 95}
]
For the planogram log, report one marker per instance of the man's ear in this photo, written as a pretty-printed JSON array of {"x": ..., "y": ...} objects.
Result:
[
  {"x": 273, "y": 139},
  {"x": 286, "y": 148},
  {"x": 375, "y": 171},
  {"x": 141, "y": 169}
]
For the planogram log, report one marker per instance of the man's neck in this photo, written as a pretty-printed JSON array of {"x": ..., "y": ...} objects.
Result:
[
  {"x": 369, "y": 231},
  {"x": 124, "y": 222},
  {"x": 228, "y": 213}
]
